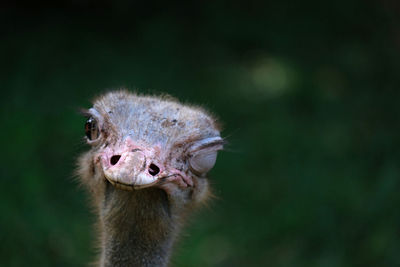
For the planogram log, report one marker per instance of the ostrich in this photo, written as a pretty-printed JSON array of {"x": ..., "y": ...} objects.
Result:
[{"x": 146, "y": 171}]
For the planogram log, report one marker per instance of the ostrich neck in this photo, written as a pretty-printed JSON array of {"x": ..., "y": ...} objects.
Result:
[{"x": 138, "y": 228}]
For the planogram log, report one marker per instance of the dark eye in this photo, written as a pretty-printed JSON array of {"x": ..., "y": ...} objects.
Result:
[{"x": 91, "y": 129}]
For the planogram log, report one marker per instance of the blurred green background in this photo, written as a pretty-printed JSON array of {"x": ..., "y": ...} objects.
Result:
[{"x": 308, "y": 94}]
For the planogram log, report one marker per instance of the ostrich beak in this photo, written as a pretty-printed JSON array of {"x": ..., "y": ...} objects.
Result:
[{"x": 128, "y": 171}]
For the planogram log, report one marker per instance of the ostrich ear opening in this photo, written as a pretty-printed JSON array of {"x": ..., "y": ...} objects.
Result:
[{"x": 203, "y": 154}]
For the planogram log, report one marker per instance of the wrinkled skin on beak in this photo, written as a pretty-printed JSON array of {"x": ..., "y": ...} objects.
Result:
[
  {"x": 129, "y": 172},
  {"x": 131, "y": 166}
]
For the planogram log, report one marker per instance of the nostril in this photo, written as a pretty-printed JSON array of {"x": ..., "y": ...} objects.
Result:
[
  {"x": 153, "y": 169},
  {"x": 114, "y": 159}
]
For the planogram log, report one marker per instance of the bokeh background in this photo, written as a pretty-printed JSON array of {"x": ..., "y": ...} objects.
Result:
[{"x": 308, "y": 93}]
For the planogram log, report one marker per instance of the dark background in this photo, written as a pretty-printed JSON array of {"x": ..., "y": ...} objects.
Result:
[{"x": 308, "y": 94}]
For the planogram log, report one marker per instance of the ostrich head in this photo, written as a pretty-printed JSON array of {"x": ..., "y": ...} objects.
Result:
[{"x": 141, "y": 142}]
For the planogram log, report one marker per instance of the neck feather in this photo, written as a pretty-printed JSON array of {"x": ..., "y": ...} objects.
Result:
[{"x": 137, "y": 227}]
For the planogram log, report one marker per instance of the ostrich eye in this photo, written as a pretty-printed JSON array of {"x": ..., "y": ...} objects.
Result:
[
  {"x": 204, "y": 154},
  {"x": 91, "y": 129},
  {"x": 203, "y": 162}
]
